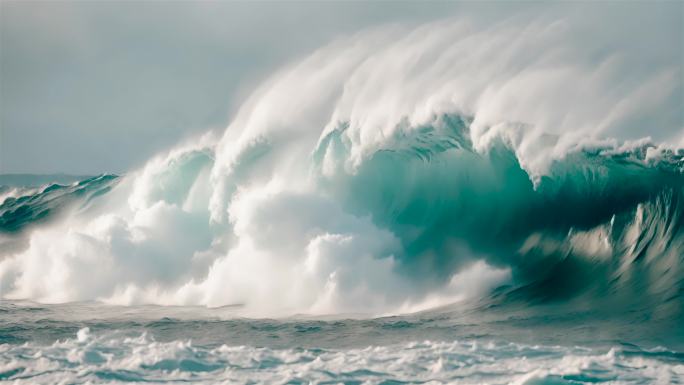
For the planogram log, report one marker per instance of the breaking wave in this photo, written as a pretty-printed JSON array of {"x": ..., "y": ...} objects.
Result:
[{"x": 392, "y": 171}]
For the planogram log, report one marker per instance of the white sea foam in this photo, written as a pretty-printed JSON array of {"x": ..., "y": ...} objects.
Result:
[{"x": 118, "y": 359}]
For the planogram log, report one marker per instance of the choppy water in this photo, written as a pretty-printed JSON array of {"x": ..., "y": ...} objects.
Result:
[{"x": 473, "y": 344}]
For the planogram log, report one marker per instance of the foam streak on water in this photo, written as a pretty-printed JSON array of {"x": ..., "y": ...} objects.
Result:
[
  {"x": 482, "y": 343},
  {"x": 108, "y": 358}
]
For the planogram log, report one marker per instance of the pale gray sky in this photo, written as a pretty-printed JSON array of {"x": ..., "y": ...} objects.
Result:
[{"x": 90, "y": 87}]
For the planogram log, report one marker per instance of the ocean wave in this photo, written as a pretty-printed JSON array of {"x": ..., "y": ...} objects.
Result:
[{"x": 392, "y": 171}]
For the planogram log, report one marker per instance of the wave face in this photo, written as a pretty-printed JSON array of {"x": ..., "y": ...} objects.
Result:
[{"x": 393, "y": 171}]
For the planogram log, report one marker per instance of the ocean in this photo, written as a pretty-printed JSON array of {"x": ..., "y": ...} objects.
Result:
[
  {"x": 474, "y": 343},
  {"x": 452, "y": 204}
]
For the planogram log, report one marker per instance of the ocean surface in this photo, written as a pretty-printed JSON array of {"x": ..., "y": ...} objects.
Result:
[
  {"x": 453, "y": 203},
  {"x": 475, "y": 343}
]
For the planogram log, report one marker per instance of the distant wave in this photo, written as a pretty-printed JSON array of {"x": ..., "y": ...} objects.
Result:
[
  {"x": 24, "y": 206},
  {"x": 389, "y": 172}
]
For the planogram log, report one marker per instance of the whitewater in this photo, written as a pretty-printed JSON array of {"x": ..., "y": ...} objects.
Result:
[{"x": 448, "y": 203}]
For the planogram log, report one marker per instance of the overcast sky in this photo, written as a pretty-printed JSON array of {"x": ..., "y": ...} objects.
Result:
[{"x": 91, "y": 87}]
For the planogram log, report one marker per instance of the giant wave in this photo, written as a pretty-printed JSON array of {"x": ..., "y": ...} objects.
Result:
[{"x": 392, "y": 171}]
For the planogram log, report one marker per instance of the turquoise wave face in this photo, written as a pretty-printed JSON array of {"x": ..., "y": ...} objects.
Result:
[{"x": 594, "y": 210}]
